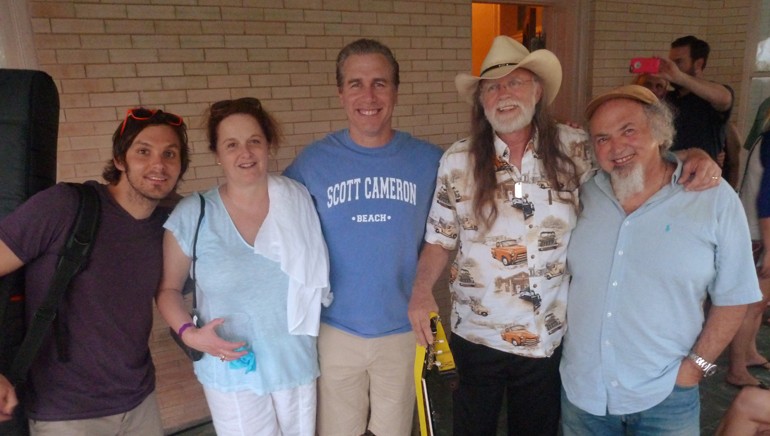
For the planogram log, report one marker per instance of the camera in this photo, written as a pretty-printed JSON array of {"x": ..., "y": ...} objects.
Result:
[{"x": 644, "y": 65}]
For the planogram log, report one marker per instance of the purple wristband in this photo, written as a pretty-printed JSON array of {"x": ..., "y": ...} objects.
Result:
[{"x": 184, "y": 327}]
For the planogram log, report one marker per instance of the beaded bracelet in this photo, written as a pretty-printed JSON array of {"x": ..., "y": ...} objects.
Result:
[{"x": 184, "y": 327}]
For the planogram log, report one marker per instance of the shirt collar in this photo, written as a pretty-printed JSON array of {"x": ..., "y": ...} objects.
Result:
[
  {"x": 671, "y": 157},
  {"x": 502, "y": 151}
]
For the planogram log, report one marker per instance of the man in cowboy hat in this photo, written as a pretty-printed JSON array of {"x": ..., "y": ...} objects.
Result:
[
  {"x": 637, "y": 344},
  {"x": 508, "y": 196}
]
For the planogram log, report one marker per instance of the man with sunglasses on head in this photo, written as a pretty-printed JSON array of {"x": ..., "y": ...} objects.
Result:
[{"x": 94, "y": 374}]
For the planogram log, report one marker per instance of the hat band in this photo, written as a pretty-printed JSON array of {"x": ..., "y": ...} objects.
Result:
[{"x": 498, "y": 66}]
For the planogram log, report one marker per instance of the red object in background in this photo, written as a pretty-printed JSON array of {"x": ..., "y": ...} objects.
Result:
[{"x": 644, "y": 65}]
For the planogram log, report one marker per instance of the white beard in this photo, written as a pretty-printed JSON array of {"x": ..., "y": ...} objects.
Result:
[
  {"x": 503, "y": 123},
  {"x": 627, "y": 183}
]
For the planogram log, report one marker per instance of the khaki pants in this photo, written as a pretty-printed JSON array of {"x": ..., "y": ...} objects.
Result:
[
  {"x": 143, "y": 420},
  {"x": 357, "y": 373}
]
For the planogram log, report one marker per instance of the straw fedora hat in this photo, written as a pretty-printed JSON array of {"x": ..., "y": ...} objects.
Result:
[
  {"x": 506, "y": 55},
  {"x": 630, "y": 92}
]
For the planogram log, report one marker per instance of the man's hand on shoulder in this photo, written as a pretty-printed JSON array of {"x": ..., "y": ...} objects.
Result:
[
  {"x": 8, "y": 399},
  {"x": 699, "y": 170}
]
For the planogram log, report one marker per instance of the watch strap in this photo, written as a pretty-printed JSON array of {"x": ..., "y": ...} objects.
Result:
[{"x": 705, "y": 366}]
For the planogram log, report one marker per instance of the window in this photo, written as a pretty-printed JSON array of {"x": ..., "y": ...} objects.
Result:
[
  {"x": 557, "y": 25},
  {"x": 523, "y": 23}
]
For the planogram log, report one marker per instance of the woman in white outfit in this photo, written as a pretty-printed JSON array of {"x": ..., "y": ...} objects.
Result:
[{"x": 261, "y": 273}]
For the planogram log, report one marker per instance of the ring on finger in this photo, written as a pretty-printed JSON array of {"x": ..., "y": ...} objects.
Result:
[{"x": 221, "y": 357}]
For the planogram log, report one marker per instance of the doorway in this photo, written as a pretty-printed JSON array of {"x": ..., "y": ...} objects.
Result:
[
  {"x": 524, "y": 23},
  {"x": 558, "y": 25}
]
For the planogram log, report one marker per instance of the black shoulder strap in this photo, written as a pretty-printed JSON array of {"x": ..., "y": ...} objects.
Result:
[
  {"x": 71, "y": 260},
  {"x": 11, "y": 316},
  {"x": 195, "y": 251}
]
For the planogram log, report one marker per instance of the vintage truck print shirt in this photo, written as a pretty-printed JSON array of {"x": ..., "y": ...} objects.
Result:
[{"x": 509, "y": 283}]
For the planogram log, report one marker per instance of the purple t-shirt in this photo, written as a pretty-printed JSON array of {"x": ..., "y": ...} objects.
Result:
[{"x": 107, "y": 310}]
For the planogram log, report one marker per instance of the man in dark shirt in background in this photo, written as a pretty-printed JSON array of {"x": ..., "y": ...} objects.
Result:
[{"x": 702, "y": 107}]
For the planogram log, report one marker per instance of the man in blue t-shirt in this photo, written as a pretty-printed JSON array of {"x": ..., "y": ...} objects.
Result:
[{"x": 372, "y": 187}]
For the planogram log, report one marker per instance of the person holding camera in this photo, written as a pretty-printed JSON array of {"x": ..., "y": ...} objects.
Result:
[{"x": 702, "y": 107}]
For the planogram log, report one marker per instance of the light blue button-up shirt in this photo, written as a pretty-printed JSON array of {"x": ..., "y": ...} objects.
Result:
[{"x": 638, "y": 285}]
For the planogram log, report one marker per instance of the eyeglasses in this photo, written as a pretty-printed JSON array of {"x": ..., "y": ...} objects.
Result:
[
  {"x": 143, "y": 114},
  {"x": 513, "y": 85}
]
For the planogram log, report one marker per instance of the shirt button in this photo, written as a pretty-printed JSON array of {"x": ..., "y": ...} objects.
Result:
[
  {"x": 620, "y": 253},
  {"x": 626, "y": 223},
  {"x": 614, "y": 283},
  {"x": 532, "y": 257},
  {"x": 614, "y": 383},
  {"x": 530, "y": 226},
  {"x": 535, "y": 285},
  {"x": 609, "y": 314}
]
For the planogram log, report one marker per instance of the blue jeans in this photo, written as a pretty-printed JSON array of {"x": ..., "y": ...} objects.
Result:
[{"x": 677, "y": 415}]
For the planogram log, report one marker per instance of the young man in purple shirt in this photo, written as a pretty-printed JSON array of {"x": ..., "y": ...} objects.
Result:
[{"x": 94, "y": 373}]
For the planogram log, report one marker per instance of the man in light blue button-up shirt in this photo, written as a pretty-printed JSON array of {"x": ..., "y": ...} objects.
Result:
[{"x": 644, "y": 256}]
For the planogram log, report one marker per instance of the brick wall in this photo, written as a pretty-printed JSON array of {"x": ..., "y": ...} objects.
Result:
[
  {"x": 624, "y": 29},
  {"x": 182, "y": 55}
]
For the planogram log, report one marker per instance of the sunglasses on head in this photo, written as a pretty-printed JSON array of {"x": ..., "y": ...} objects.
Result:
[{"x": 142, "y": 114}]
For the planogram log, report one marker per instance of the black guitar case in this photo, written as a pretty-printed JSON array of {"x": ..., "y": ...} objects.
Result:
[{"x": 29, "y": 126}]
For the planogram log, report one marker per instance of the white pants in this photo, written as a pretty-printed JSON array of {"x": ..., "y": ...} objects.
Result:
[{"x": 283, "y": 413}]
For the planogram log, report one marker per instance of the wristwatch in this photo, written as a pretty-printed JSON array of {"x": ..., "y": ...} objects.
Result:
[{"x": 707, "y": 367}]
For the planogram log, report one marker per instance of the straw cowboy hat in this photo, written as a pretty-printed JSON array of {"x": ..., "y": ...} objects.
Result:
[{"x": 506, "y": 55}]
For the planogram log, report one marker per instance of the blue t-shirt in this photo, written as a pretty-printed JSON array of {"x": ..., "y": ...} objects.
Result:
[
  {"x": 250, "y": 292},
  {"x": 373, "y": 204}
]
